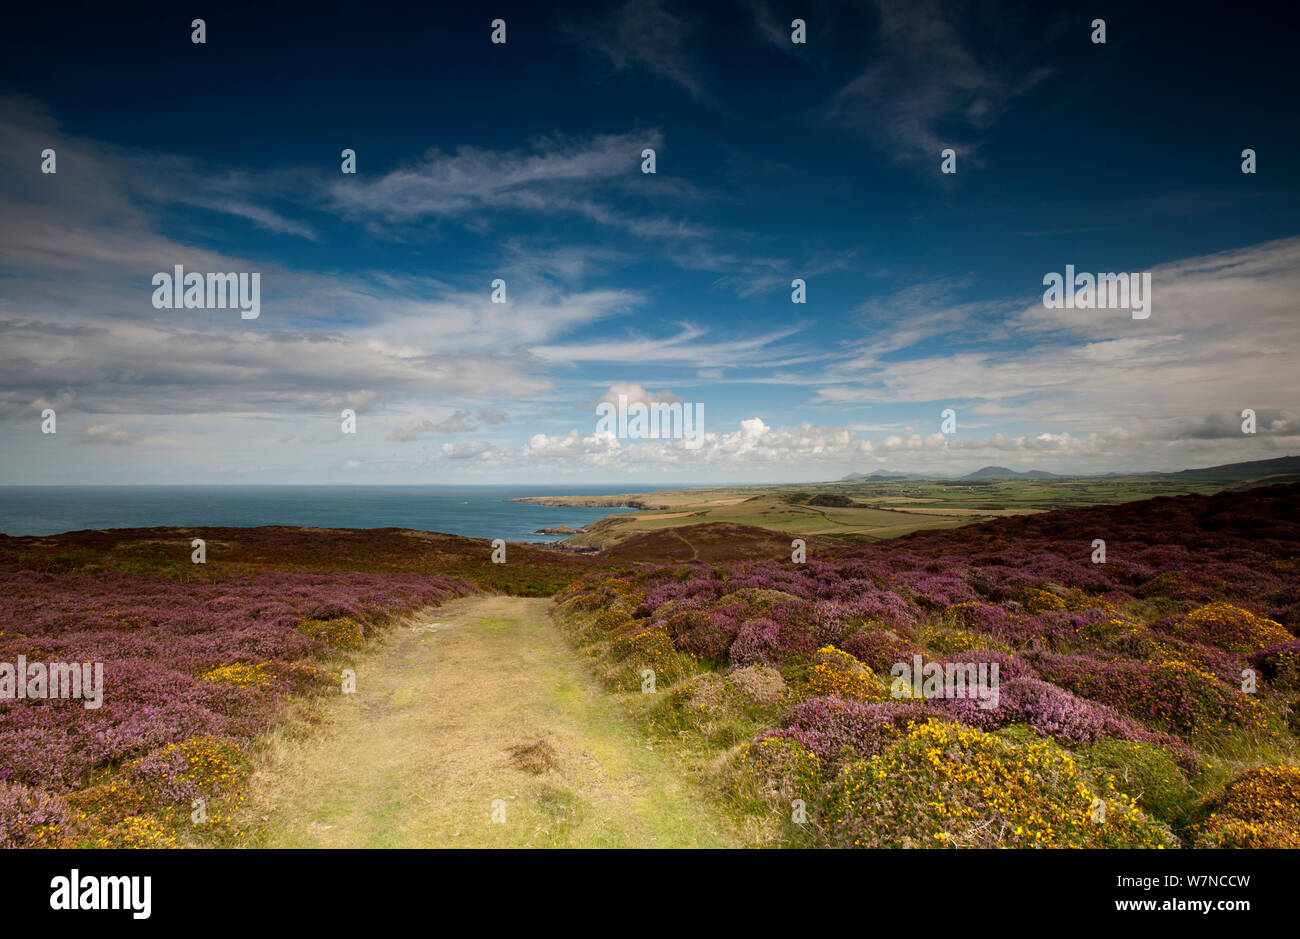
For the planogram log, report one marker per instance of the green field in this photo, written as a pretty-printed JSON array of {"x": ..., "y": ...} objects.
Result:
[{"x": 877, "y": 508}]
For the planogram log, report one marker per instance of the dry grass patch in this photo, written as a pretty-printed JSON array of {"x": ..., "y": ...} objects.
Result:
[{"x": 536, "y": 758}]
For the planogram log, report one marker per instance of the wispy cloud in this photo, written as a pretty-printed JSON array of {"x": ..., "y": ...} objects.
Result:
[
  {"x": 114, "y": 434},
  {"x": 79, "y": 250},
  {"x": 689, "y": 346},
  {"x": 459, "y": 422},
  {"x": 1083, "y": 369},
  {"x": 645, "y": 36},
  {"x": 553, "y": 176},
  {"x": 925, "y": 85},
  {"x": 110, "y": 183}
]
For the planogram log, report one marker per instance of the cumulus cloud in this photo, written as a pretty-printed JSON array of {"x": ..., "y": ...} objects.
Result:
[
  {"x": 754, "y": 447},
  {"x": 467, "y": 450},
  {"x": 1228, "y": 425},
  {"x": 635, "y": 394}
]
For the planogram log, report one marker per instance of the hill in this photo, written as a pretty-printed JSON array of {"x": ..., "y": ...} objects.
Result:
[
  {"x": 880, "y": 474},
  {"x": 1002, "y": 472},
  {"x": 715, "y": 541},
  {"x": 1242, "y": 472}
]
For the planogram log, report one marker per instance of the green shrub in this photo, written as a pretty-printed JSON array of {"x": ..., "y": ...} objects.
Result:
[
  {"x": 650, "y": 648},
  {"x": 341, "y": 633},
  {"x": 1145, "y": 772},
  {"x": 947, "y": 785},
  {"x": 775, "y": 771}
]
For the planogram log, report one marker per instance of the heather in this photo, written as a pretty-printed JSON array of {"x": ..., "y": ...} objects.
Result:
[
  {"x": 1148, "y": 701},
  {"x": 532, "y": 571},
  {"x": 1280, "y": 663},
  {"x": 835, "y": 729},
  {"x": 1054, "y": 712},
  {"x": 1139, "y": 684},
  {"x": 30, "y": 817},
  {"x": 193, "y": 670}
]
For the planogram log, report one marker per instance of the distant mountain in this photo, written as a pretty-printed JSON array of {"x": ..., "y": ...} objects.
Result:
[
  {"x": 991, "y": 472},
  {"x": 892, "y": 474},
  {"x": 1001, "y": 472},
  {"x": 1227, "y": 473}
]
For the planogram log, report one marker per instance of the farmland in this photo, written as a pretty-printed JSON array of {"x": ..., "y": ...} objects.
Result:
[{"x": 873, "y": 508}]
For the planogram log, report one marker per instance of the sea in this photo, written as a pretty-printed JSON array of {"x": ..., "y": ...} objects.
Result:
[{"x": 474, "y": 511}]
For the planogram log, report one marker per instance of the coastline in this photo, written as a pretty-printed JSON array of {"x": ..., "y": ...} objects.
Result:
[{"x": 629, "y": 501}]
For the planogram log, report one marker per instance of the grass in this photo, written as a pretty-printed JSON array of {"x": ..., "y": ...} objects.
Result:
[
  {"x": 881, "y": 508},
  {"x": 437, "y": 732}
]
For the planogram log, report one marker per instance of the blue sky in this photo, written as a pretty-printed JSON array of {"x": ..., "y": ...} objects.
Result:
[{"x": 522, "y": 161}]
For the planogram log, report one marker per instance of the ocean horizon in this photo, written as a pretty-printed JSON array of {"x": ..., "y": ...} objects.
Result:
[{"x": 481, "y": 511}]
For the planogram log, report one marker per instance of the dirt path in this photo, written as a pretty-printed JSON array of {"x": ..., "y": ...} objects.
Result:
[{"x": 418, "y": 756}]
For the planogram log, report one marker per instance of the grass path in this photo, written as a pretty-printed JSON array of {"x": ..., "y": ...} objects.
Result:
[{"x": 417, "y": 756}]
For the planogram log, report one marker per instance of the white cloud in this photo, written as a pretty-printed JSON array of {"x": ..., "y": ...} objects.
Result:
[
  {"x": 923, "y": 82},
  {"x": 114, "y": 434},
  {"x": 1081, "y": 370},
  {"x": 826, "y": 452},
  {"x": 553, "y": 176},
  {"x": 688, "y": 346},
  {"x": 644, "y": 35},
  {"x": 634, "y": 394}
]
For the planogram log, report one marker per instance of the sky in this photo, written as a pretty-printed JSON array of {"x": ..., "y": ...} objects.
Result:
[{"x": 522, "y": 162}]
